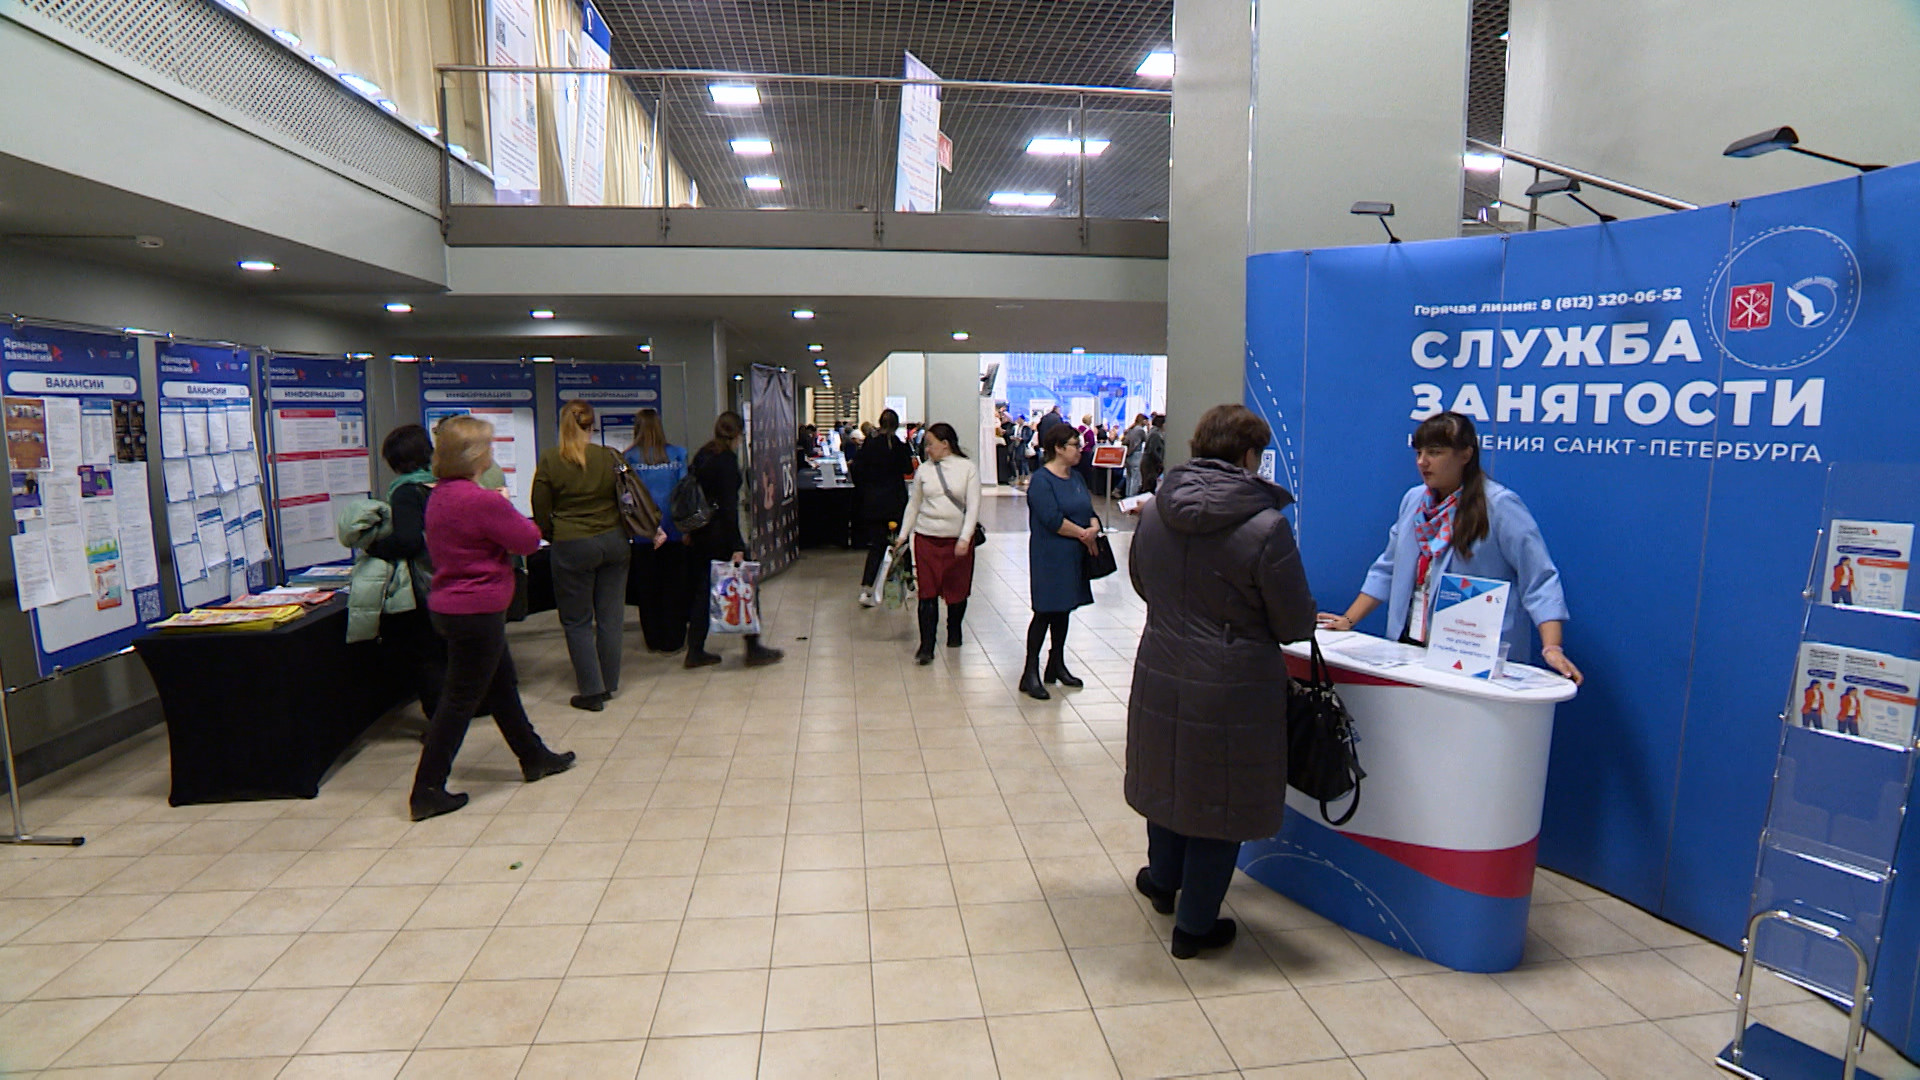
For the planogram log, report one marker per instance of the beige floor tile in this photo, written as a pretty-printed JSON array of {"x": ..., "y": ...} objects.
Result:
[
  {"x": 1052, "y": 1046},
  {"x": 820, "y": 997},
  {"x": 625, "y": 949},
  {"x": 89, "y": 918},
  {"x": 322, "y": 869},
  {"x": 325, "y": 960},
  {"x": 664, "y": 857},
  {"x": 732, "y": 896},
  {"x": 187, "y": 914},
  {"x": 724, "y": 944},
  {"x": 1652, "y": 929},
  {"x": 1101, "y": 920},
  {"x": 223, "y": 963},
  {"x": 936, "y": 1050},
  {"x": 373, "y": 907},
  {"x": 989, "y": 843},
  {"x": 813, "y": 892},
  {"x": 1028, "y": 982},
  {"x": 251, "y": 1068},
  {"x": 1653, "y": 985},
  {"x": 151, "y": 1028},
  {"x": 744, "y": 855},
  {"x": 1719, "y": 968},
  {"x": 1129, "y": 974},
  {"x": 465, "y": 1063},
  {"x": 641, "y": 899},
  {"x": 1337, "y": 1069},
  {"x": 831, "y": 938},
  {"x": 917, "y": 933},
  {"x": 1564, "y": 996},
  {"x": 1371, "y": 1017},
  {"x": 711, "y": 1003},
  {"x": 281, "y": 911},
  {"x": 827, "y": 1054},
  {"x": 604, "y": 1007},
  {"x": 491, "y": 1014},
  {"x": 906, "y": 991},
  {"x": 1017, "y": 927},
  {"x": 456, "y": 906},
  {"x": 824, "y": 817},
  {"x": 1470, "y": 1007},
  {"x": 426, "y": 956},
  {"x": 1630, "y": 1051},
  {"x": 266, "y": 1022},
  {"x": 1171, "y": 1038},
  {"x": 35, "y": 1033},
  {"x": 1529, "y": 1057},
  {"x": 412, "y": 866},
  {"x": 380, "y": 1018},
  {"x": 526, "y": 952},
  {"x": 999, "y": 882},
  {"x": 824, "y": 851},
  {"x": 1317, "y": 956},
  {"x": 384, "y": 1065},
  {"x": 115, "y": 968},
  {"x": 583, "y": 1061},
  {"x": 544, "y": 903},
  {"x": 566, "y": 861},
  {"x": 1070, "y": 876},
  {"x": 26, "y": 968},
  {"x": 1432, "y": 1063},
  {"x": 1266, "y": 1029},
  {"x": 722, "y": 1057},
  {"x": 904, "y": 847},
  {"x": 1577, "y": 930},
  {"x": 890, "y": 887}
]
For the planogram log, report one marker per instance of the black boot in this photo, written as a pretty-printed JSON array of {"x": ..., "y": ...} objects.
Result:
[
  {"x": 1030, "y": 684},
  {"x": 432, "y": 802},
  {"x": 929, "y": 613},
  {"x": 697, "y": 654},
  {"x": 759, "y": 655},
  {"x": 545, "y": 763},
  {"x": 1186, "y": 946},
  {"x": 1057, "y": 672},
  {"x": 956, "y": 614},
  {"x": 1030, "y": 677}
]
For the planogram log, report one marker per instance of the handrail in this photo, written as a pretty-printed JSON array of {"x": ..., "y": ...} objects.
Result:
[
  {"x": 1591, "y": 179},
  {"x": 848, "y": 80}
]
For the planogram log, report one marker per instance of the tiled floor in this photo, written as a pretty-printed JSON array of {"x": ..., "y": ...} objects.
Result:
[{"x": 844, "y": 866}]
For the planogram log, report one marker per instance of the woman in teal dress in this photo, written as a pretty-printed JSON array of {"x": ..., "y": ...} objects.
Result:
[{"x": 1061, "y": 531}]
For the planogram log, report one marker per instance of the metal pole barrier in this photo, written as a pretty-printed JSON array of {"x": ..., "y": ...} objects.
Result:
[{"x": 20, "y": 836}]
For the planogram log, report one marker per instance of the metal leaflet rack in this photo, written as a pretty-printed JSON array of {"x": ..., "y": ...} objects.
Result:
[{"x": 1825, "y": 870}]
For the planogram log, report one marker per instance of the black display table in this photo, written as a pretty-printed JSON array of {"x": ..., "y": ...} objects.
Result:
[
  {"x": 826, "y": 516},
  {"x": 264, "y": 714}
]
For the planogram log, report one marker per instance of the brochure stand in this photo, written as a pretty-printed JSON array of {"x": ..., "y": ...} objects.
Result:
[{"x": 1844, "y": 772}]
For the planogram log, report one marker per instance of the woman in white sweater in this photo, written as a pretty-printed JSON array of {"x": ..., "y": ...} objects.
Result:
[{"x": 943, "y": 516}]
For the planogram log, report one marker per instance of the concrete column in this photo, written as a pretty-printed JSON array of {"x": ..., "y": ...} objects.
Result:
[
  {"x": 1676, "y": 82},
  {"x": 695, "y": 379}
]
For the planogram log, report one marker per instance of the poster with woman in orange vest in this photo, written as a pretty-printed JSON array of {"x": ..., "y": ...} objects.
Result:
[{"x": 1867, "y": 563}]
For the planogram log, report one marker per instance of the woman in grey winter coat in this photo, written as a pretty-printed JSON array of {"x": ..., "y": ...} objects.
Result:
[{"x": 1215, "y": 561}]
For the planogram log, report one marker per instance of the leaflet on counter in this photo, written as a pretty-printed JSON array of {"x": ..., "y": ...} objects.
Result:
[{"x": 1469, "y": 615}]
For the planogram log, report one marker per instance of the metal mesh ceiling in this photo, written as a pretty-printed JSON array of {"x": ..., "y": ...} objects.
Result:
[
  {"x": 834, "y": 147},
  {"x": 1486, "y": 96}
]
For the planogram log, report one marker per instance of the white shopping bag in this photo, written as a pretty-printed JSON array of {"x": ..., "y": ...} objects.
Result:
[{"x": 733, "y": 601}]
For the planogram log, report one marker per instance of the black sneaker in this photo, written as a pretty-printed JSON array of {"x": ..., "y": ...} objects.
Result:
[
  {"x": 589, "y": 702},
  {"x": 1163, "y": 899},
  {"x": 432, "y": 802},
  {"x": 701, "y": 658},
  {"x": 547, "y": 764},
  {"x": 1186, "y": 946},
  {"x": 761, "y": 656}
]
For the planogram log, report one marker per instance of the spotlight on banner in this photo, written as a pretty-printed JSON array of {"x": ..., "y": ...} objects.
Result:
[
  {"x": 1784, "y": 138},
  {"x": 1568, "y": 186},
  {"x": 1380, "y": 210}
]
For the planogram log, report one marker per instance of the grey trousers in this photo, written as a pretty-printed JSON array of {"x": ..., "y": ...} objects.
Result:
[{"x": 590, "y": 589}]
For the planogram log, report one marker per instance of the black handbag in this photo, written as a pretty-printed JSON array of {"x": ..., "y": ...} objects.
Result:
[
  {"x": 1323, "y": 755},
  {"x": 1099, "y": 562},
  {"x": 517, "y": 607}
]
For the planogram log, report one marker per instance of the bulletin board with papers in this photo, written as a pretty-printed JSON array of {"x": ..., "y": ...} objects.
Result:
[
  {"x": 500, "y": 393},
  {"x": 83, "y": 549},
  {"x": 210, "y": 461},
  {"x": 318, "y": 447}
]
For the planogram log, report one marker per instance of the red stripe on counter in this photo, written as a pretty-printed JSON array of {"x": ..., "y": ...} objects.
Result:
[
  {"x": 1299, "y": 668},
  {"x": 1506, "y": 873}
]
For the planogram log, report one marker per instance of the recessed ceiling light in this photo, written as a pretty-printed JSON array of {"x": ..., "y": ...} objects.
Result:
[
  {"x": 752, "y": 147},
  {"x": 646, "y": 348},
  {"x": 961, "y": 335},
  {"x": 1053, "y": 146},
  {"x": 1079, "y": 350},
  {"x": 1157, "y": 65},
  {"x": 1027, "y": 200},
  {"x": 763, "y": 183},
  {"x": 734, "y": 93},
  {"x": 363, "y": 85},
  {"x": 815, "y": 348},
  {"x": 324, "y": 61},
  {"x": 359, "y": 356},
  {"x": 1483, "y": 163},
  {"x": 288, "y": 37},
  {"x": 403, "y": 358},
  {"x": 258, "y": 266},
  {"x": 543, "y": 359},
  {"x": 400, "y": 307},
  {"x": 820, "y": 363},
  {"x": 541, "y": 313},
  {"x": 803, "y": 313}
]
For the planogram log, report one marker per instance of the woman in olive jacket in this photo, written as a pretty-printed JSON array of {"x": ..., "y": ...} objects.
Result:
[{"x": 1215, "y": 561}]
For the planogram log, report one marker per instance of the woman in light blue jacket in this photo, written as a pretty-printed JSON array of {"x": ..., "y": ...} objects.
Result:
[{"x": 1456, "y": 521}]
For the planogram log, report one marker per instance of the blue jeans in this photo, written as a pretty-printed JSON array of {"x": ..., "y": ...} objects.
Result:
[{"x": 1200, "y": 867}]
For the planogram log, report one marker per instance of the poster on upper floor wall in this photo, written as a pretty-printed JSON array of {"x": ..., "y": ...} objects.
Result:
[
  {"x": 500, "y": 393},
  {"x": 83, "y": 545},
  {"x": 207, "y": 425},
  {"x": 916, "y": 182},
  {"x": 513, "y": 125},
  {"x": 773, "y": 483},
  {"x": 586, "y": 174},
  {"x": 318, "y": 451},
  {"x": 617, "y": 393}
]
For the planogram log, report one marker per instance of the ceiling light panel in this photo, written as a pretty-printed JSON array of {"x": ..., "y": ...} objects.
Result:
[
  {"x": 1024, "y": 200},
  {"x": 753, "y": 147},
  {"x": 1157, "y": 65},
  {"x": 734, "y": 93},
  {"x": 1060, "y": 146},
  {"x": 763, "y": 183}
]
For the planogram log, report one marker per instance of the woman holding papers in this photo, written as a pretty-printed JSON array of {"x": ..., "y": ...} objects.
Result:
[
  {"x": 472, "y": 533},
  {"x": 1456, "y": 521}
]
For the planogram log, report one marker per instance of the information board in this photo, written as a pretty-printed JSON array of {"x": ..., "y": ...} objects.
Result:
[
  {"x": 499, "y": 393},
  {"x": 216, "y": 512},
  {"x": 83, "y": 552},
  {"x": 318, "y": 434},
  {"x": 616, "y": 391}
]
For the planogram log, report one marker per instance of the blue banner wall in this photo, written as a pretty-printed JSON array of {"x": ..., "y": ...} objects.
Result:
[
  {"x": 1110, "y": 379},
  {"x": 1666, "y": 395}
]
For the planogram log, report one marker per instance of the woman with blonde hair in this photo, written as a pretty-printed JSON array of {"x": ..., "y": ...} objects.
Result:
[
  {"x": 472, "y": 534},
  {"x": 578, "y": 511}
]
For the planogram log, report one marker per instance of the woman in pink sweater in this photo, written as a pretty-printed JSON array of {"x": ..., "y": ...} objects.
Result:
[{"x": 471, "y": 532}]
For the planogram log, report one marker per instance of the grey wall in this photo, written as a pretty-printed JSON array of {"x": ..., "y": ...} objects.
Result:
[
  {"x": 1677, "y": 81},
  {"x": 907, "y": 378},
  {"x": 953, "y": 397}
]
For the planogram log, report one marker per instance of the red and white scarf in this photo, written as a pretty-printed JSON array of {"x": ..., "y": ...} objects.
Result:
[{"x": 1433, "y": 530}]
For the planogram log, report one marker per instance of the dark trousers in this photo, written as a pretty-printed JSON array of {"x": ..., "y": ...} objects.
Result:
[
  {"x": 1200, "y": 867},
  {"x": 878, "y": 537},
  {"x": 418, "y": 653},
  {"x": 590, "y": 589},
  {"x": 480, "y": 677},
  {"x": 657, "y": 585}
]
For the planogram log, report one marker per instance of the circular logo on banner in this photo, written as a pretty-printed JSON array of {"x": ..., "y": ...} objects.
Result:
[{"x": 1784, "y": 298}]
